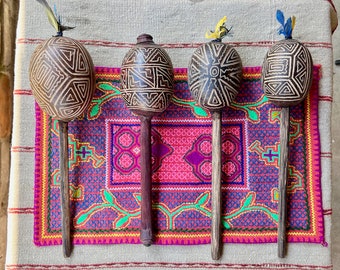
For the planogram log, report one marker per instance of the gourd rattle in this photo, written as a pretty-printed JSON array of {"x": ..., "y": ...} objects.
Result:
[
  {"x": 62, "y": 79},
  {"x": 286, "y": 79},
  {"x": 147, "y": 81},
  {"x": 214, "y": 75}
]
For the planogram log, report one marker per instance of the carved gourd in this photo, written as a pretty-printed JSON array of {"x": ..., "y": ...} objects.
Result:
[
  {"x": 287, "y": 73},
  {"x": 62, "y": 79},
  {"x": 214, "y": 75},
  {"x": 63, "y": 82},
  {"x": 286, "y": 79},
  {"x": 147, "y": 87},
  {"x": 147, "y": 78}
]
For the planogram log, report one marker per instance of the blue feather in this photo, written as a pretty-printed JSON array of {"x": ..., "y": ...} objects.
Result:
[
  {"x": 56, "y": 13},
  {"x": 288, "y": 29},
  {"x": 281, "y": 31},
  {"x": 280, "y": 17}
]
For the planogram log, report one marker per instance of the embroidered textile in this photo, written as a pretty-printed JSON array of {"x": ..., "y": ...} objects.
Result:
[{"x": 105, "y": 172}]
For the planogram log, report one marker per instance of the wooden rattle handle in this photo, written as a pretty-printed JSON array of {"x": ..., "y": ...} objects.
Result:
[
  {"x": 64, "y": 187},
  {"x": 216, "y": 186},
  {"x": 283, "y": 176},
  {"x": 146, "y": 181}
]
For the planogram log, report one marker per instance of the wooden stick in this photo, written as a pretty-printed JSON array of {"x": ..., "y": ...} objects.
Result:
[
  {"x": 146, "y": 181},
  {"x": 216, "y": 186},
  {"x": 283, "y": 175},
  {"x": 64, "y": 187}
]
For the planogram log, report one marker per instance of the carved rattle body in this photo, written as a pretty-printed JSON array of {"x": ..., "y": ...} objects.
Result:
[
  {"x": 147, "y": 87},
  {"x": 214, "y": 74},
  {"x": 62, "y": 79},
  {"x": 286, "y": 79}
]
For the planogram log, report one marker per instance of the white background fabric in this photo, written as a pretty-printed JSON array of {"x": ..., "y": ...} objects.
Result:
[{"x": 107, "y": 29}]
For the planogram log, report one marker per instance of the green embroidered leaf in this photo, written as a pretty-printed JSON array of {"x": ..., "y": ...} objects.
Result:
[
  {"x": 82, "y": 218},
  {"x": 122, "y": 221},
  {"x": 106, "y": 86},
  {"x": 108, "y": 197},
  {"x": 248, "y": 200},
  {"x": 94, "y": 110},
  {"x": 138, "y": 198},
  {"x": 203, "y": 199},
  {"x": 200, "y": 111},
  {"x": 109, "y": 87},
  {"x": 226, "y": 224},
  {"x": 275, "y": 216},
  {"x": 253, "y": 115}
]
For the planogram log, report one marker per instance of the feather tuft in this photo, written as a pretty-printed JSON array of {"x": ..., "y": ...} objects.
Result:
[
  {"x": 293, "y": 22},
  {"x": 220, "y": 30},
  {"x": 287, "y": 27},
  {"x": 280, "y": 17},
  {"x": 51, "y": 17}
]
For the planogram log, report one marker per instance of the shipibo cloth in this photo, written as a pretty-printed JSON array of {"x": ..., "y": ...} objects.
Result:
[{"x": 105, "y": 172}]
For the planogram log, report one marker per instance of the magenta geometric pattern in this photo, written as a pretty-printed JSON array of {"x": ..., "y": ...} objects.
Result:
[{"x": 169, "y": 155}]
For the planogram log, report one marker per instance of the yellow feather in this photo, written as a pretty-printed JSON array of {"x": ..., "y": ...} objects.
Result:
[
  {"x": 293, "y": 22},
  {"x": 220, "y": 24},
  {"x": 50, "y": 15},
  {"x": 52, "y": 19},
  {"x": 211, "y": 35},
  {"x": 219, "y": 30}
]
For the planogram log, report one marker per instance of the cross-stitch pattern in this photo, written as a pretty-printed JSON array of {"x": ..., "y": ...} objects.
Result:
[{"x": 105, "y": 173}]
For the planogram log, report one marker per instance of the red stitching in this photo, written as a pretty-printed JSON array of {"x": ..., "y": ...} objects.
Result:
[
  {"x": 326, "y": 98},
  {"x": 23, "y": 149},
  {"x": 27, "y": 210},
  {"x": 327, "y": 212},
  {"x": 103, "y": 43},
  {"x": 264, "y": 266},
  {"x": 24, "y": 92},
  {"x": 326, "y": 154}
]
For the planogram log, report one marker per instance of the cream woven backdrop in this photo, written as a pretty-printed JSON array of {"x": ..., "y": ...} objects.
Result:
[{"x": 103, "y": 26}]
